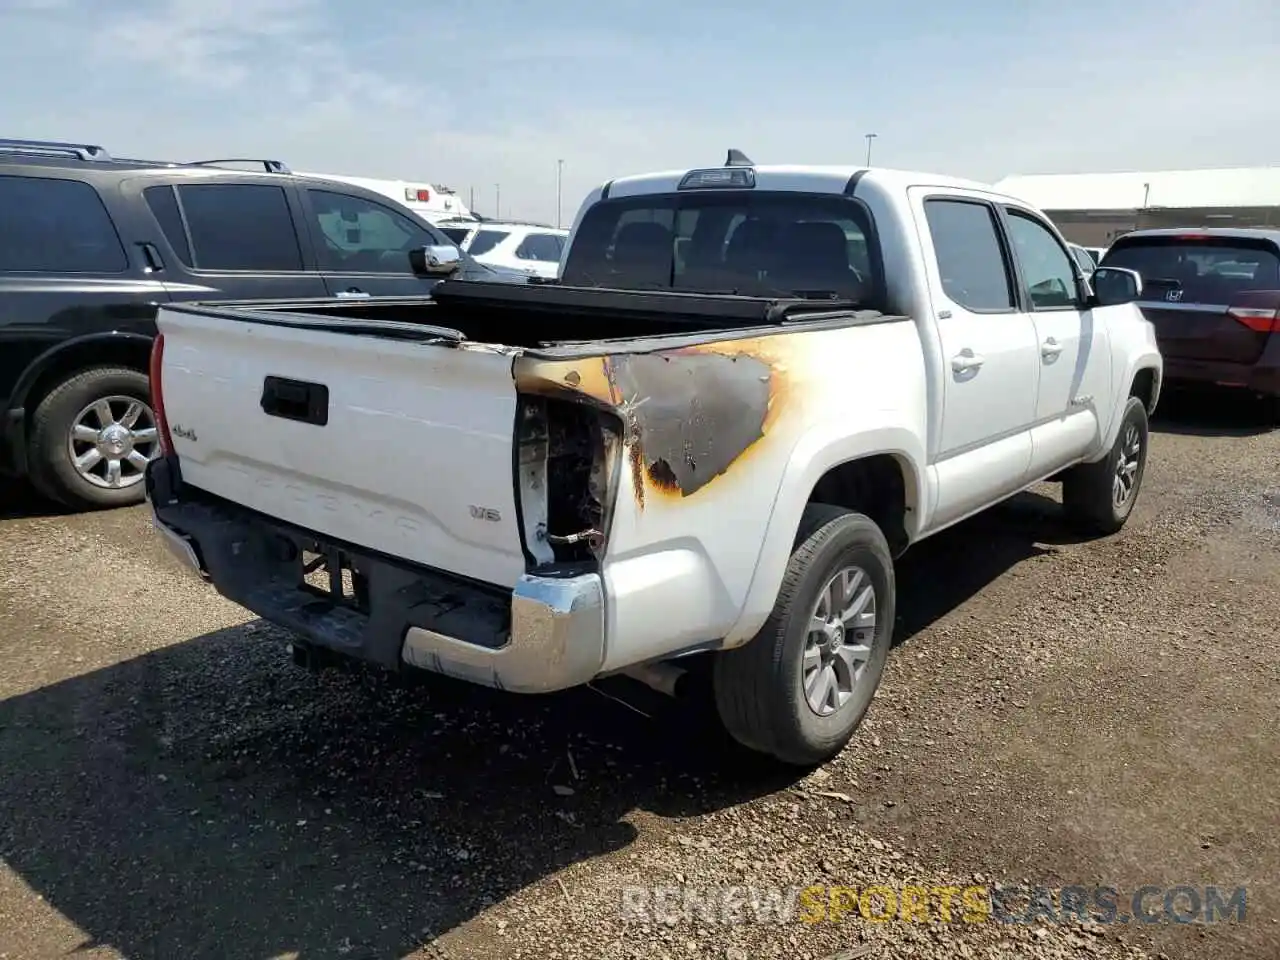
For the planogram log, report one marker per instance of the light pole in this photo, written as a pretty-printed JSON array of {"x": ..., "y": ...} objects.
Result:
[
  {"x": 497, "y": 200},
  {"x": 559, "y": 182},
  {"x": 870, "y": 137}
]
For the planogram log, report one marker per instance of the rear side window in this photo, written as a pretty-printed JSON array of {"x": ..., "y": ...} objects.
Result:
[
  {"x": 970, "y": 259},
  {"x": 240, "y": 226},
  {"x": 164, "y": 206},
  {"x": 1206, "y": 270},
  {"x": 544, "y": 247},
  {"x": 56, "y": 226},
  {"x": 774, "y": 244},
  {"x": 485, "y": 241}
]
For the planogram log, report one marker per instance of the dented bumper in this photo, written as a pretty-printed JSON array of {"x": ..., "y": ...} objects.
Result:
[{"x": 546, "y": 634}]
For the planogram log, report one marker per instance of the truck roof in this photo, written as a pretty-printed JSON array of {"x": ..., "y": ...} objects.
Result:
[{"x": 803, "y": 178}]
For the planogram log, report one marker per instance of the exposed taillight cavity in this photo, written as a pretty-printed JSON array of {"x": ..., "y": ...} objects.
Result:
[
  {"x": 567, "y": 456},
  {"x": 1259, "y": 319},
  {"x": 157, "y": 395}
]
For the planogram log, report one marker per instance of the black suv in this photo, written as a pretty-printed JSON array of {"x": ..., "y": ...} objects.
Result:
[{"x": 91, "y": 245}]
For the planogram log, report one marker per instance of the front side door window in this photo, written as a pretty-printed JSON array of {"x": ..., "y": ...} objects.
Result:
[{"x": 360, "y": 236}]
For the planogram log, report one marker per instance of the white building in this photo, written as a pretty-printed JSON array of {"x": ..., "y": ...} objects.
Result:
[{"x": 1093, "y": 208}]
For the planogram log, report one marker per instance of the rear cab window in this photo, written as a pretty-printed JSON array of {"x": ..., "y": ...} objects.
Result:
[
  {"x": 1198, "y": 269},
  {"x": 765, "y": 243},
  {"x": 53, "y": 225}
]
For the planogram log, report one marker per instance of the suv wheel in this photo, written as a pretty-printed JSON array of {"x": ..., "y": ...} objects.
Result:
[
  {"x": 800, "y": 688},
  {"x": 92, "y": 437}
]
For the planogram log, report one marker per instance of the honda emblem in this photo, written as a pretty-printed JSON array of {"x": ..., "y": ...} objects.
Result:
[{"x": 1174, "y": 295}]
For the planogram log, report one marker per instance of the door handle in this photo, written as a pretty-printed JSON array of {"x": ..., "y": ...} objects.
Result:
[
  {"x": 1050, "y": 349},
  {"x": 352, "y": 292},
  {"x": 152, "y": 257},
  {"x": 966, "y": 360}
]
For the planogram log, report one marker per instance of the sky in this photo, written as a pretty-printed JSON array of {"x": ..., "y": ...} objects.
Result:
[{"x": 478, "y": 95}]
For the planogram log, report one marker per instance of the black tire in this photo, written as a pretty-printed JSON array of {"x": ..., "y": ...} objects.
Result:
[
  {"x": 50, "y": 463},
  {"x": 1088, "y": 497},
  {"x": 759, "y": 687}
]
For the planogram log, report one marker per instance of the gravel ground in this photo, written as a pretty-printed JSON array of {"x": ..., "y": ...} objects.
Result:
[{"x": 1055, "y": 712}]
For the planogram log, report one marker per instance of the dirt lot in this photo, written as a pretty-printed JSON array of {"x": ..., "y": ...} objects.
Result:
[{"x": 1055, "y": 712}]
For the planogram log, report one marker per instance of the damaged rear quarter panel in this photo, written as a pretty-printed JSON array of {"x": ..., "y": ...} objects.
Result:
[
  {"x": 690, "y": 413},
  {"x": 709, "y": 430}
]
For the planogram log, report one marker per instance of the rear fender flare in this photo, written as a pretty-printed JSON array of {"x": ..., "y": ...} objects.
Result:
[
  {"x": 64, "y": 351},
  {"x": 815, "y": 454}
]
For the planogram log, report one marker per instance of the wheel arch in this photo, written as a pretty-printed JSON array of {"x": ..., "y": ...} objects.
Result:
[
  {"x": 1143, "y": 377},
  {"x": 880, "y": 473},
  {"x": 66, "y": 359}
]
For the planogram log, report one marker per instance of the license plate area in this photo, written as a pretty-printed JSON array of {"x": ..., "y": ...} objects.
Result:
[{"x": 333, "y": 578}]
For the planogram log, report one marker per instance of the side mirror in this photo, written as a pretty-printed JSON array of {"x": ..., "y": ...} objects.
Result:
[
  {"x": 437, "y": 261},
  {"x": 1115, "y": 285}
]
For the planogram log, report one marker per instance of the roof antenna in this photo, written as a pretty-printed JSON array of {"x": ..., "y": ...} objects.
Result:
[{"x": 737, "y": 158}]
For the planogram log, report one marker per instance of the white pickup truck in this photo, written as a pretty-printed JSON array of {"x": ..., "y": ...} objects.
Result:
[{"x": 751, "y": 389}]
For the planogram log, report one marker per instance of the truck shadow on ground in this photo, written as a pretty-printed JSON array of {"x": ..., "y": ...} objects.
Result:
[
  {"x": 211, "y": 799},
  {"x": 936, "y": 576}
]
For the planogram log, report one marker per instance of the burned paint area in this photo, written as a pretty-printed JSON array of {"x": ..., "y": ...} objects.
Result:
[
  {"x": 690, "y": 415},
  {"x": 569, "y": 379}
]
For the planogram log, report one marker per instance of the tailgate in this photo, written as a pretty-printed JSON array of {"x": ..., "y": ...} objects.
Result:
[
  {"x": 1211, "y": 297},
  {"x": 1234, "y": 332},
  {"x": 396, "y": 446}
]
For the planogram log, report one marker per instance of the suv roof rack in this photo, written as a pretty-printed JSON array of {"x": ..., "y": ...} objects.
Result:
[
  {"x": 55, "y": 148},
  {"x": 270, "y": 166}
]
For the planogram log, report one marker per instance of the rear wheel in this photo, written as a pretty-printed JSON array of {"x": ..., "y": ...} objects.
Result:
[
  {"x": 800, "y": 688},
  {"x": 92, "y": 437},
  {"x": 1098, "y": 497}
]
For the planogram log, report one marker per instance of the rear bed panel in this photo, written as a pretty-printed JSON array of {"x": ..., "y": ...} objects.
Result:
[{"x": 415, "y": 460}]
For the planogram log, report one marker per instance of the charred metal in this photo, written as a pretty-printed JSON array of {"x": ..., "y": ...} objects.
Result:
[
  {"x": 690, "y": 414},
  {"x": 566, "y": 458}
]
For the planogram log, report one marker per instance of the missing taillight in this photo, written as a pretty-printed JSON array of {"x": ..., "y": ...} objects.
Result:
[{"x": 567, "y": 461}]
